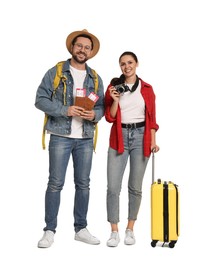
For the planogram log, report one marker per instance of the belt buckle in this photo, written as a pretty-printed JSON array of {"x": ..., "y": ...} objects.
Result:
[{"x": 133, "y": 125}]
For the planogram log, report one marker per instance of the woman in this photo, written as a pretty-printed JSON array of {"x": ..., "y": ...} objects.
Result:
[{"x": 130, "y": 106}]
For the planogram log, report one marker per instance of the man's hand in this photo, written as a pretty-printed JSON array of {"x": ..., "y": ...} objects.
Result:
[
  {"x": 88, "y": 115},
  {"x": 75, "y": 111}
]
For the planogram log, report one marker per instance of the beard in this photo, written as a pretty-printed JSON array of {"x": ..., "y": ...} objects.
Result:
[{"x": 81, "y": 61}]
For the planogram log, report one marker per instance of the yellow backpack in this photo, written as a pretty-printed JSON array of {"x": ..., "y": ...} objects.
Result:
[{"x": 59, "y": 76}]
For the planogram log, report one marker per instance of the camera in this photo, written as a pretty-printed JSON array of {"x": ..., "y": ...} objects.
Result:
[{"x": 121, "y": 88}]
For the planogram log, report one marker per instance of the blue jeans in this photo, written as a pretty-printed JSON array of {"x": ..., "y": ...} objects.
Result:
[
  {"x": 116, "y": 164},
  {"x": 60, "y": 149}
]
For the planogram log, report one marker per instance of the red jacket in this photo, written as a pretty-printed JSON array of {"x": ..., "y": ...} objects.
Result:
[{"x": 116, "y": 138}]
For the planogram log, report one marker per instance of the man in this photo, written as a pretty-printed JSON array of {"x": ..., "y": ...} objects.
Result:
[{"x": 71, "y": 130}]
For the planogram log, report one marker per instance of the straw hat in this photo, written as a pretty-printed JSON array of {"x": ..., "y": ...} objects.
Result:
[{"x": 71, "y": 36}]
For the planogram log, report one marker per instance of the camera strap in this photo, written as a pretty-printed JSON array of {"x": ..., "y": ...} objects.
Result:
[{"x": 134, "y": 87}]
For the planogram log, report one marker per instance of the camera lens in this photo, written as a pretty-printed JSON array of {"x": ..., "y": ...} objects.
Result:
[{"x": 120, "y": 89}]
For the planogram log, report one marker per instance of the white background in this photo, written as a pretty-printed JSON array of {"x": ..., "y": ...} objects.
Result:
[{"x": 172, "y": 40}]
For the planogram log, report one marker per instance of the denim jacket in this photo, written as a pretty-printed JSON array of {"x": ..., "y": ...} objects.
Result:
[{"x": 53, "y": 104}]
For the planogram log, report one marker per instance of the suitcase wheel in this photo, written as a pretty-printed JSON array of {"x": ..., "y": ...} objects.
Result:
[
  {"x": 153, "y": 243},
  {"x": 172, "y": 244}
]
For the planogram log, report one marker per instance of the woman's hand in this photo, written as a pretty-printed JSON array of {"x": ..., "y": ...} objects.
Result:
[
  {"x": 155, "y": 148},
  {"x": 114, "y": 94}
]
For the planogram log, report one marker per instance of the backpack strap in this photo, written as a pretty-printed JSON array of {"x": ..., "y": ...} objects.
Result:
[
  {"x": 59, "y": 76},
  {"x": 44, "y": 132},
  {"x": 95, "y": 78}
]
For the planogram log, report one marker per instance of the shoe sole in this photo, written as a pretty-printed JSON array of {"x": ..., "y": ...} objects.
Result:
[
  {"x": 87, "y": 242},
  {"x": 40, "y": 246},
  {"x": 111, "y": 245},
  {"x": 129, "y": 244}
]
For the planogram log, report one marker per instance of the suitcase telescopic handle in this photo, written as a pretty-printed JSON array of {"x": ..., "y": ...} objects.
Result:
[{"x": 153, "y": 165}]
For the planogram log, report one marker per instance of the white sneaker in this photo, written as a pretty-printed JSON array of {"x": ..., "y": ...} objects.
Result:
[
  {"x": 47, "y": 239},
  {"x": 84, "y": 236},
  {"x": 114, "y": 239},
  {"x": 129, "y": 237}
]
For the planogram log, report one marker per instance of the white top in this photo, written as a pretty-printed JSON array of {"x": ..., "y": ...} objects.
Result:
[
  {"x": 76, "y": 125},
  {"x": 132, "y": 106}
]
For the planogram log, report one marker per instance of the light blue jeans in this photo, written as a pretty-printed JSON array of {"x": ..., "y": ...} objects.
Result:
[
  {"x": 116, "y": 164},
  {"x": 60, "y": 150}
]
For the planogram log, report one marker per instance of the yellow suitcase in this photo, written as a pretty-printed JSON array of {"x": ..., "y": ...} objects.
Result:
[{"x": 165, "y": 212}]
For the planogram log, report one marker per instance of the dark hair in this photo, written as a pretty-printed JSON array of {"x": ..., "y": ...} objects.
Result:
[
  {"x": 85, "y": 36},
  {"x": 129, "y": 53},
  {"x": 121, "y": 79}
]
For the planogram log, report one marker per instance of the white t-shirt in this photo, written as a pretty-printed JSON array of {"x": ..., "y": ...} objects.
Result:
[
  {"x": 132, "y": 106},
  {"x": 76, "y": 125}
]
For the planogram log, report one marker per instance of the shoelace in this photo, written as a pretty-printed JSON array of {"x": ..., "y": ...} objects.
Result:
[
  {"x": 114, "y": 235},
  {"x": 129, "y": 233}
]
